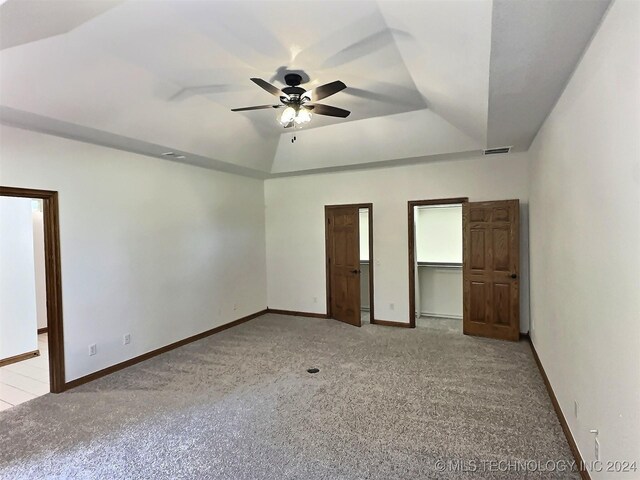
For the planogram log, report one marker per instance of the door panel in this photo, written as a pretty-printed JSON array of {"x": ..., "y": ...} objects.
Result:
[
  {"x": 501, "y": 310},
  {"x": 479, "y": 298},
  {"x": 343, "y": 263},
  {"x": 501, "y": 250},
  {"x": 478, "y": 260},
  {"x": 491, "y": 269}
]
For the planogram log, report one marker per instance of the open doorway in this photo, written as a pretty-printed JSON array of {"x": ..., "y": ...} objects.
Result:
[
  {"x": 31, "y": 342},
  {"x": 349, "y": 262},
  {"x": 366, "y": 279},
  {"x": 485, "y": 235},
  {"x": 24, "y": 362},
  {"x": 436, "y": 264}
]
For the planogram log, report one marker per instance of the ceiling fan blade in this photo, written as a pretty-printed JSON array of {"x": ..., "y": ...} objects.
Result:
[
  {"x": 324, "y": 91},
  {"x": 257, "y": 107},
  {"x": 320, "y": 109},
  {"x": 273, "y": 90}
]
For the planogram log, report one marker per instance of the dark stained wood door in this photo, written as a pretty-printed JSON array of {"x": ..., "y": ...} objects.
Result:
[
  {"x": 491, "y": 269},
  {"x": 343, "y": 263}
]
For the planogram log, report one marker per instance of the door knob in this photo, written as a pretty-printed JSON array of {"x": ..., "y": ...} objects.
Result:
[
  {"x": 355, "y": 271},
  {"x": 513, "y": 275}
]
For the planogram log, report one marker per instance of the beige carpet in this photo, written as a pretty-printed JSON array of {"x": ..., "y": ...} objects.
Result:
[{"x": 388, "y": 403}]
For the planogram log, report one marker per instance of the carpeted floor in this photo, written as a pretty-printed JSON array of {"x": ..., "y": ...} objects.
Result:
[
  {"x": 450, "y": 325},
  {"x": 388, "y": 403}
]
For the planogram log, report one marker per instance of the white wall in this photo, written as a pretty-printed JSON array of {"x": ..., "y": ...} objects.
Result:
[
  {"x": 364, "y": 233},
  {"x": 364, "y": 286},
  {"x": 39, "y": 265},
  {"x": 17, "y": 279},
  {"x": 439, "y": 234},
  {"x": 440, "y": 292},
  {"x": 295, "y": 224},
  {"x": 149, "y": 247},
  {"x": 585, "y": 243},
  {"x": 364, "y": 257}
]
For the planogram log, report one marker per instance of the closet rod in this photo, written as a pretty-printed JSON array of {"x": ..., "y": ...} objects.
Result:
[{"x": 440, "y": 264}]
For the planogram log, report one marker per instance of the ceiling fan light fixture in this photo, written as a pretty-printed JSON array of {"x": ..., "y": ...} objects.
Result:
[
  {"x": 288, "y": 115},
  {"x": 303, "y": 116},
  {"x": 294, "y": 98}
]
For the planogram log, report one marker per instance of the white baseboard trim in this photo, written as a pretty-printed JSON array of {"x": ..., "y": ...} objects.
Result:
[{"x": 441, "y": 315}]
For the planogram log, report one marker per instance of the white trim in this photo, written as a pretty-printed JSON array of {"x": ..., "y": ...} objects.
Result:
[{"x": 441, "y": 315}]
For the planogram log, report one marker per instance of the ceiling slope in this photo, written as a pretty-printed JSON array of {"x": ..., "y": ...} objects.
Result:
[
  {"x": 28, "y": 21},
  {"x": 535, "y": 47}
]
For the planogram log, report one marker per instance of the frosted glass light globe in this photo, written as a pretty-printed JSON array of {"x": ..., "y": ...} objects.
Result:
[
  {"x": 304, "y": 116},
  {"x": 288, "y": 115}
]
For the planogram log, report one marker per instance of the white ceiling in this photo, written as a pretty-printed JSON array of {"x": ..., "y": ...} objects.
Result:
[{"x": 426, "y": 79}]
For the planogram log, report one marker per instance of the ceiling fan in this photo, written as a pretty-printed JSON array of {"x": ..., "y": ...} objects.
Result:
[{"x": 296, "y": 100}]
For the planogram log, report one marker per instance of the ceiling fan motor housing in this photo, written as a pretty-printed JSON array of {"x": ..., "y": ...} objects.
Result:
[
  {"x": 292, "y": 79},
  {"x": 294, "y": 91}
]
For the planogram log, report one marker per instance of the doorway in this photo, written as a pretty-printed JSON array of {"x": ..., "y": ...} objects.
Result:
[
  {"x": 435, "y": 264},
  {"x": 349, "y": 263},
  {"x": 44, "y": 340},
  {"x": 490, "y": 266}
]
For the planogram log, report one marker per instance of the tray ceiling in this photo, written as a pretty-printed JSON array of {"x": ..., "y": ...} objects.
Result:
[{"x": 425, "y": 79}]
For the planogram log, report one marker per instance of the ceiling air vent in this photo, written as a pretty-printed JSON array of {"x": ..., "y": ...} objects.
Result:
[
  {"x": 495, "y": 151},
  {"x": 173, "y": 155}
]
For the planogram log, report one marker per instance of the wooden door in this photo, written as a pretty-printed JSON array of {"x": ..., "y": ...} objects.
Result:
[
  {"x": 491, "y": 269},
  {"x": 343, "y": 263}
]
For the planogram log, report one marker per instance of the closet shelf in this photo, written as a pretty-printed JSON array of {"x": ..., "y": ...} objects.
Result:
[{"x": 440, "y": 264}]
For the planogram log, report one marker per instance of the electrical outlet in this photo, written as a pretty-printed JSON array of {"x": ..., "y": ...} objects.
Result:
[
  {"x": 126, "y": 340},
  {"x": 597, "y": 449},
  {"x": 93, "y": 349},
  {"x": 315, "y": 299},
  {"x": 392, "y": 306},
  {"x": 235, "y": 307},
  {"x": 575, "y": 408}
]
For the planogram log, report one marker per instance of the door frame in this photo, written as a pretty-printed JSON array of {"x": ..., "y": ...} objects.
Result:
[
  {"x": 53, "y": 279},
  {"x": 412, "y": 238},
  {"x": 326, "y": 255}
]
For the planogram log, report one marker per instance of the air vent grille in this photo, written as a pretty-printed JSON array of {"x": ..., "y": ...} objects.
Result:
[
  {"x": 495, "y": 151},
  {"x": 173, "y": 155}
]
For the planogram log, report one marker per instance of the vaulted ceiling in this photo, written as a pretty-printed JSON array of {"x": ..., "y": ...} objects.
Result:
[{"x": 425, "y": 79}]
